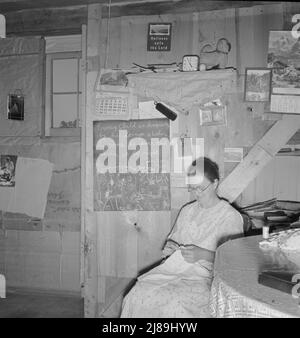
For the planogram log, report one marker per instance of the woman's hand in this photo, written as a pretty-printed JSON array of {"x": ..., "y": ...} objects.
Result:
[
  {"x": 170, "y": 247},
  {"x": 192, "y": 253}
]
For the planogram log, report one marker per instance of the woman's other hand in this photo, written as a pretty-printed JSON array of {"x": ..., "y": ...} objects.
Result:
[{"x": 191, "y": 253}]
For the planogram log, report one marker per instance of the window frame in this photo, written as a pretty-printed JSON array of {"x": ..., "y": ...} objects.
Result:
[{"x": 56, "y": 54}]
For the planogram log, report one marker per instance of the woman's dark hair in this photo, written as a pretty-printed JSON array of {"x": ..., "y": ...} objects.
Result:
[{"x": 211, "y": 169}]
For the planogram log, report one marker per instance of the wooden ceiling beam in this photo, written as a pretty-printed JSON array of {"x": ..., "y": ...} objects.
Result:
[
  {"x": 46, "y": 22},
  {"x": 128, "y": 6},
  {"x": 176, "y": 7},
  {"x": 68, "y": 20},
  {"x": 17, "y": 5}
]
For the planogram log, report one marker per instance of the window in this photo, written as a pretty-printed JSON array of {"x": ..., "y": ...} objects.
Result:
[
  {"x": 63, "y": 87},
  {"x": 65, "y": 90}
]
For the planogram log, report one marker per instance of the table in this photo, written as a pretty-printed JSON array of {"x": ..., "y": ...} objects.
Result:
[{"x": 235, "y": 289}]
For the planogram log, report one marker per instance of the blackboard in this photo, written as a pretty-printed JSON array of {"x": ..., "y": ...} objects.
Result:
[{"x": 130, "y": 191}]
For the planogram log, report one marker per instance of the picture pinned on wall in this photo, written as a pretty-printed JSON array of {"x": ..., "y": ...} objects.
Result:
[
  {"x": 233, "y": 154},
  {"x": 15, "y": 107},
  {"x": 107, "y": 78},
  {"x": 212, "y": 115},
  {"x": 7, "y": 170},
  {"x": 258, "y": 84},
  {"x": 283, "y": 58}
]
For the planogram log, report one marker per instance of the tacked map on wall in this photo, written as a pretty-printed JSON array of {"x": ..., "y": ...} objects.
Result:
[{"x": 131, "y": 170}]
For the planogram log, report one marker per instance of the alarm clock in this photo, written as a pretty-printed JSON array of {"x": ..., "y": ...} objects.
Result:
[{"x": 190, "y": 63}]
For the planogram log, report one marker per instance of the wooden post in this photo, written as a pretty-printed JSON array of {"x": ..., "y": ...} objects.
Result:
[
  {"x": 92, "y": 288},
  {"x": 261, "y": 153},
  {"x": 42, "y": 86},
  {"x": 83, "y": 147}
]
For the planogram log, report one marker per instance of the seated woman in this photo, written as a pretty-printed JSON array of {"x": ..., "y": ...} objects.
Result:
[{"x": 180, "y": 286}]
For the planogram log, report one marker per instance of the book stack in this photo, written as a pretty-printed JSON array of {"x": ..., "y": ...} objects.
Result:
[
  {"x": 280, "y": 280},
  {"x": 290, "y": 150},
  {"x": 276, "y": 213}
]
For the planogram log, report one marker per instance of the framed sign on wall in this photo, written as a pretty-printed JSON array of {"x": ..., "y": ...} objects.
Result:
[{"x": 159, "y": 37}]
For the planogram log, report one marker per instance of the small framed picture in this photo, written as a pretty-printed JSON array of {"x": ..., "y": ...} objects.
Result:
[
  {"x": 233, "y": 154},
  {"x": 212, "y": 115},
  {"x": 205, "y": 116},
  {"x": 15, "y": 107},
  {"x": 258, "y": 84}
]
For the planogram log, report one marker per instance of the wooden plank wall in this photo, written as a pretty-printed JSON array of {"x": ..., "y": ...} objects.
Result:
[
  {"x": 122, "y": 42},
  {"x": 19, "y": 61},
  {"x": 260, "y": 154},
  {"x": 280, "y": 178},
  {"x": 38, "y": 254},
  {"x": 127, "y": 41},
  {"x": 127, "y": 35}
]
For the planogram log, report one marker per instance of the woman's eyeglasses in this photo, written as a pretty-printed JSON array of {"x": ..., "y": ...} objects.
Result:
[{"x": 198, "y": 187}]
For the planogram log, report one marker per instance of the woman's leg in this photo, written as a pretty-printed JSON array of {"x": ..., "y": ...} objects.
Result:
[{"x": 175, "y": 299}]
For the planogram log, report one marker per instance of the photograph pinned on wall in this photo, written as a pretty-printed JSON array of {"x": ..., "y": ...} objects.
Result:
[
  {"x": 284, "y": 59},
  {"x": 111, "y": 79},
  {"x": 233, "y": 154},
  {"x": 147, "y": 110},
  {"x": 15, "y": 107},
  {"x": 258, "y": 84},
  {"x": 7, "y": 170},
  {"x": 213, "y": 114}
]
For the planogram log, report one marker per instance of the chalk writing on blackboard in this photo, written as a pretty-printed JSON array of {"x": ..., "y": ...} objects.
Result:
[{"x": 130, "y": 191}]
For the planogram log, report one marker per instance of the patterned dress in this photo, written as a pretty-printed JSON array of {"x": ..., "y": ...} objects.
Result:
[{"x": 175, "y": 288}]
